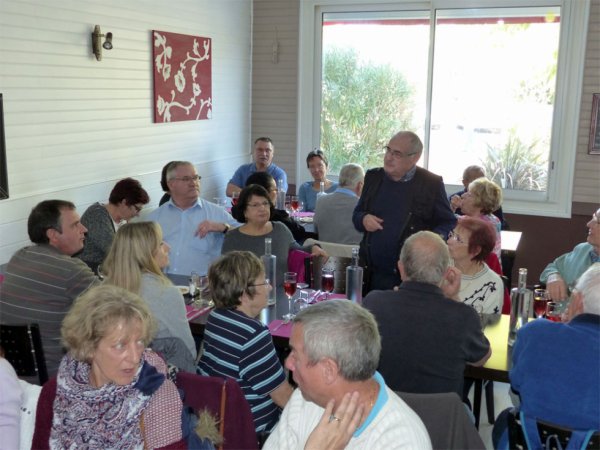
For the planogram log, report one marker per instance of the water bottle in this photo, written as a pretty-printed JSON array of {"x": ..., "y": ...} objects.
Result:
[
  {"x": 270, "y": 262},
  {"x": 280, "y": 195},
  {"x": 321, "y": 191},
  {"x": 354, "y": 279},
  {"x": 520, "y": 303}
]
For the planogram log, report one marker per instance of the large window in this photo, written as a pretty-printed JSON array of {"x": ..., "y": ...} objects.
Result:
[{"x": 489, "y": 86}]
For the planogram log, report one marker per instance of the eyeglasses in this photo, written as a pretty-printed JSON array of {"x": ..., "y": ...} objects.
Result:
[
  {"x": 188, "y": 179},
  {"x": 137, "y": 208},
  {"x": 456, "y": 237},
  {"x": 266, "y": 283},
  {"x": 259, "y": 205},
  {"x": 397, "y": 154}
]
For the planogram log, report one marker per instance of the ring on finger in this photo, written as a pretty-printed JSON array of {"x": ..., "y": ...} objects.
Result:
[{"x": 332, "y": 418}]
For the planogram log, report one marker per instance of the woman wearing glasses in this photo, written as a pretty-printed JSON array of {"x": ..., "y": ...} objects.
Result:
[
  {"x": 125, "y": 202},
  {"x": 236, "y": 344},
  {"x": 470, "y": 244},
  {"x": 317, "y": 163},
  {"x": 255, "y": 210}
]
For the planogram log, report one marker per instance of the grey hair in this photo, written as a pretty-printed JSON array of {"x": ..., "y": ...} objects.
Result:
[
  {"x": 472, "y": 173},
  {"x": 350, "y": 175},
  {"x": 416, "y": 145},
  {"x": 589, "y": 286},
  {"x": 172, "y": 167},
  {"x": 425, "y": 258},
  {"x": 345, "y": 332}
]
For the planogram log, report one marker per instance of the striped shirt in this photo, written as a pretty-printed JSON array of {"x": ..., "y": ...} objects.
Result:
[
  {"x": 41, "y": 284},
  {"x": 239, "y": 347}
]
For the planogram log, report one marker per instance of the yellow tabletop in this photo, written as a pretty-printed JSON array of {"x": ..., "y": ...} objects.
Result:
[{"x": 496, "y": 368}]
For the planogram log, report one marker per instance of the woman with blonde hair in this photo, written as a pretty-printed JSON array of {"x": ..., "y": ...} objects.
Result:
[
  {"x": 111, "y": 390},
  {"x": 482, "y": 198},
  {"x": 135, "y": 262}
]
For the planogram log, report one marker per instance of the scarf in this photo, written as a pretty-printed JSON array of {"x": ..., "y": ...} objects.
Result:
[{"x": 100, "y": 418}]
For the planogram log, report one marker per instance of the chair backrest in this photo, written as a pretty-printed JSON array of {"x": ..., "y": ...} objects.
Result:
[
  {"x": 333, "y": 249},
  {"x": 22, "y": 346},
  {"x": 221, "y": 394},
  {"x": 446, "y": 420},
  {"x": 551, "y": 436}
]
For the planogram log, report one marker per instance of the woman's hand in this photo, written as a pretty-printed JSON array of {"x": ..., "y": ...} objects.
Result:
[
  {"x": 455, "y": 202},
  {"x": 208, "y": 226},
  {"x": 333, "y": 432},
  {"x": 318, "y": 251}
]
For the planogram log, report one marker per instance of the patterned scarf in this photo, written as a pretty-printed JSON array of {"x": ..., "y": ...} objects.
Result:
[{"x": 100, "y": 418}]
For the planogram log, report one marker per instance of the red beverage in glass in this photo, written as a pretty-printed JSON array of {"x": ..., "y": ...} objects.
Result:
[
  {"x": 553, "y": 318},
  {"x": 539, "y": 307},
  {"x": 290, "y": 288},
  {"x": 295, "y": 205},
  {"x": 327, "y": 282},
  {"x": 234, "y": 201}
]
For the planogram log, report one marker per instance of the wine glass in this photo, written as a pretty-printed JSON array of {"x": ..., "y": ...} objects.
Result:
[
  {"x": 234, "y": 198},
  {"x": 327, "y": 281},
  {"x": 295, "y": 203},
  {"x": 540, "y": 300},
  {"x": 553, "y": 311},
  {"x": 289, "y": 286}
]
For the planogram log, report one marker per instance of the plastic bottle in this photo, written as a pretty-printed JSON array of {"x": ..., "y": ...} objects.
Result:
[
  {"x": 520, "y": 303},
  {"x": 354, "y": 279},
  {"x": 270, "y": 262}
]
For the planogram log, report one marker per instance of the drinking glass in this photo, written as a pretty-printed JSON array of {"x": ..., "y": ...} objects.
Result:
[
  {"x": 234, "y": 198},
  {"x": 540, "y": 301},
  {"x": 289, "y": 286},
  {"x": 553, "y": 311},
  {"x": 295, "y": 203},
  {"x": 327, "y": 281}
]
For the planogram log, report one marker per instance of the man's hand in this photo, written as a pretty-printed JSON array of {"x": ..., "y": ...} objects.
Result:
[
  {"x": 556, "y": 288},
  {"x": 333, "y": 432},
  {"x": 372, "y": 223},
  {"x": 318, "y": 251},
  {"x": 208, "y": 226},
  {"x": 451, "y": 283}
]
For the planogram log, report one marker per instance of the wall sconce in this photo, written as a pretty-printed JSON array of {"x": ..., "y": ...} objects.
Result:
[{"x": 97, "y": 39}]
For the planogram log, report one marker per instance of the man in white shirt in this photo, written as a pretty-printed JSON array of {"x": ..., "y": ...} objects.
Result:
[
  {"x": 193, "y": 227},
  {"x": 335, "y": 351}
]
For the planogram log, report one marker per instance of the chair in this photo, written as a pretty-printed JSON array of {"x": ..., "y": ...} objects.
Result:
[
  {"x": 549, "y": 436},
  {"x": 223, "y": 397},
  {"x": 446, "y": 420},
  {"x": 333, "y": 249},
  {"x": 22, "y": 346}
]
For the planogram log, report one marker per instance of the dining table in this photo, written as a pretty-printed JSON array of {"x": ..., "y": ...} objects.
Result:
[{"x": 497, "y": 366}]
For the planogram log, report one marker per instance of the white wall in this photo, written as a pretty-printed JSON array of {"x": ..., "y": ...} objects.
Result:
[{"x": 74, "y": 126}]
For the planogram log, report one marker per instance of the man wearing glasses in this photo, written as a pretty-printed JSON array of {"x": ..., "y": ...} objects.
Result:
[
  {"x": 398, "y": 200},
  {"x": 263, "y": 162},
  {"x": 193, "y": 227}
]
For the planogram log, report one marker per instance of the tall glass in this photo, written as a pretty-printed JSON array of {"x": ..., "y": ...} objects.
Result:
[
  {"x": 540, "y": 300},
  {"x": 289, "y": 286},
  {"x": 327, "y": 281}
]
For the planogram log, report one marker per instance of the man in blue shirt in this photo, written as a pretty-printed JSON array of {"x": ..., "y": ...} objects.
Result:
[
  {"x": 193, "y": 227},
  {"x": 263, "y": 162}
]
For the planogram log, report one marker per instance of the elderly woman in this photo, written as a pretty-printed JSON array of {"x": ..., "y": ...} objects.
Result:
[
  {"x": 236, "y": 344},
  {"x": 470, "y": 244},
  {"x": 481, "y": 199},
  {"x": 317, "y": 163},
  {"x": 254, "y": 210},
  {"x": 135, "y": 262},
  {"x": 125, "y": 202},
  {"x": 111, "y": 392}
]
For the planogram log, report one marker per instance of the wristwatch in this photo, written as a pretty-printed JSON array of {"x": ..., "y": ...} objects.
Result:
[{"x": 227, "y": 228}]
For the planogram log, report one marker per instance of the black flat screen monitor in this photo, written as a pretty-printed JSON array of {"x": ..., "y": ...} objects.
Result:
[{"x": 3, "y": 168}]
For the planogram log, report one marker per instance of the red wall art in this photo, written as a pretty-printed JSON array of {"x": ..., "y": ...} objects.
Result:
[{"x": 182, "y": 77}]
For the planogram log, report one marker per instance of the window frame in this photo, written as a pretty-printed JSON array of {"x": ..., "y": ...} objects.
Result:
[{"x": 557, "y": 200}]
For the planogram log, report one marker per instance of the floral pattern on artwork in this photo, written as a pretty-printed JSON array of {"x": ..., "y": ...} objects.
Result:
[{"x": 182, "y": 67}]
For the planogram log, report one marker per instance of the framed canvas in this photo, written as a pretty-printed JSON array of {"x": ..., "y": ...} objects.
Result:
[
  {"x": 594, "y": 146},
  {"x": 3, "y": 168},
  {"x": 182, "y": 70}
]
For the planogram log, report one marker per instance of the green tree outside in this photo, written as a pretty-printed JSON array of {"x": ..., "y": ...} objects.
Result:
[{"x": 363, "y": 105}]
